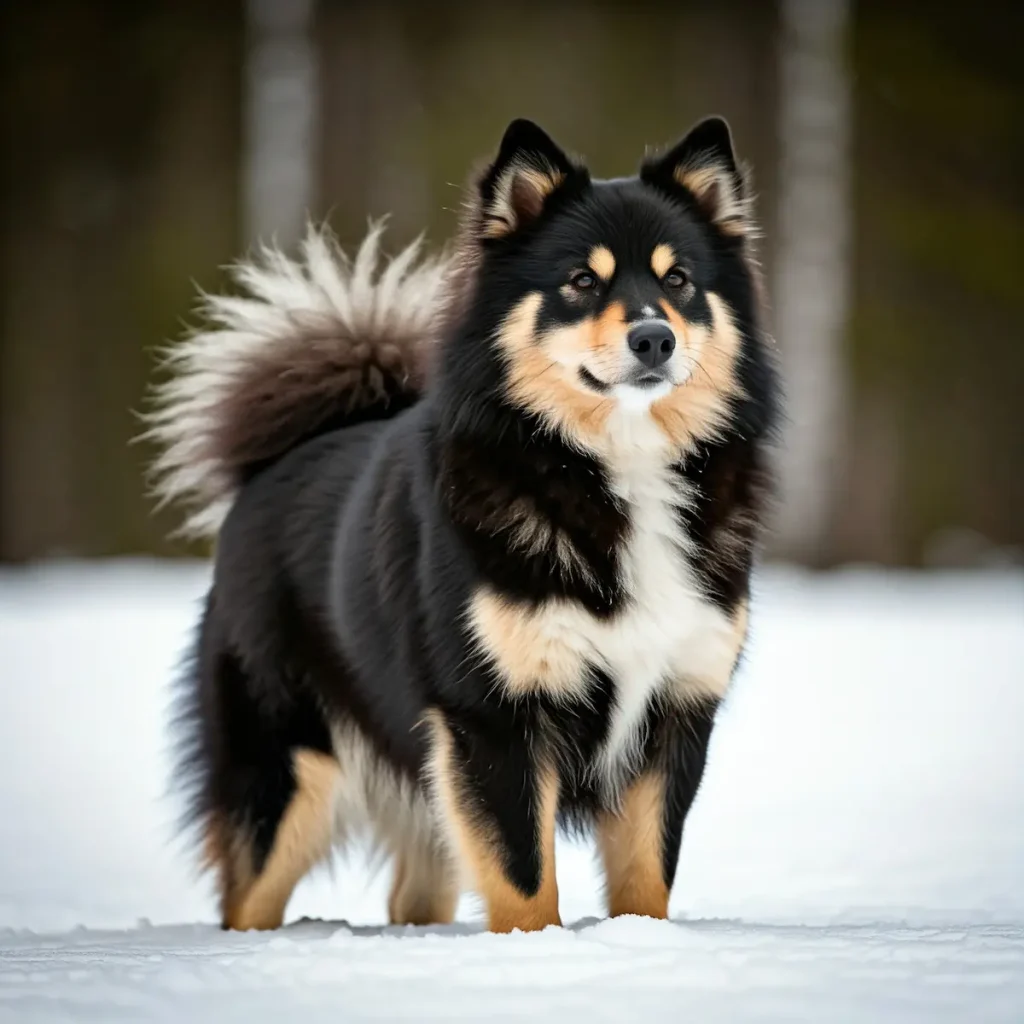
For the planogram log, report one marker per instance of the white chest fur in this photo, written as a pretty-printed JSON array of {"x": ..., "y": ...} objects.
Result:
[{"x": 669, "y": 638}]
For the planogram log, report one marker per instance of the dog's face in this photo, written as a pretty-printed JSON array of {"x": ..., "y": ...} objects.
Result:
[{"x": 616, "y": 325}]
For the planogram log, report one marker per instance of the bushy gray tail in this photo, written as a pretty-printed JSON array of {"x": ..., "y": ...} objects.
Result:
[{"x": 311, "y": 341}]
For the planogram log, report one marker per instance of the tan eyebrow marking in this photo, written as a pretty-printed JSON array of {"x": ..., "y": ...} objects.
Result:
[
  {"x": 663, "y": 259},
  {"x": 602, "y": 262}
]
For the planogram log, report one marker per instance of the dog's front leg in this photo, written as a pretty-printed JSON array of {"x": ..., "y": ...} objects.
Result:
[
  {"x": 639, "y": 839},
  {"x": 499, "y": 801}
]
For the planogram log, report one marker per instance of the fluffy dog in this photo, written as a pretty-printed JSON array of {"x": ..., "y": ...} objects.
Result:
[{"x": 484, "y": 530}]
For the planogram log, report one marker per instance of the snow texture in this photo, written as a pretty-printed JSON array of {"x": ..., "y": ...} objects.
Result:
[{"x": 856, "y": 852}]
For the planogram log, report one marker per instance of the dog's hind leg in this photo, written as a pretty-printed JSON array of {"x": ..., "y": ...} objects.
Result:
[
  {"x": 424, "y": 888},
  {"x": 256, "y": 758},
  {"x": 258, "y": 872}
]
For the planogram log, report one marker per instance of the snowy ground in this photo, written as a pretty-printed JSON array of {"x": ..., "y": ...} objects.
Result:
[{"x": 857, "y": 851}]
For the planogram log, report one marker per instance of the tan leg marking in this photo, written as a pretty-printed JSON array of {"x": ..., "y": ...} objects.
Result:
[
  {"x": 423, "y": 890},
  {"x": 479, "y": 849},
  {"x": 303, "y": 839},
  {"x": 631, "y": 849}
]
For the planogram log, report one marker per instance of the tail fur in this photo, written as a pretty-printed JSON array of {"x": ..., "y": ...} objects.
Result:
[{"x": 312, "y": 342}]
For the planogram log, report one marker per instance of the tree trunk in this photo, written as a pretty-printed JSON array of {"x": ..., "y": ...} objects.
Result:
[{"x": 812, "y": 265}]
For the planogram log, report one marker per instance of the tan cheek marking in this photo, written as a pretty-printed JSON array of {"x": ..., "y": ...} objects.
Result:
[
  {"x": 602, "y": 262},
  {"x": 539, "y": 383},
  {"x": 610, "y": 332},
  {"x": 303, "y": 838},
  {"x": 480, "y": 851},
  {"x": 569, "y": 346},
  {"x": 663, "y": 259},
  {"x": 631, "y": 844},
  {"x": 531, "y": 649},
  {"x": 698, "y": 409}
]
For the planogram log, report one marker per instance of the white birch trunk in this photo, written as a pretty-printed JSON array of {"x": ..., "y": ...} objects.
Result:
[
  {"x": 280, "y": 102},
  {"x": 812, "y": 265}
]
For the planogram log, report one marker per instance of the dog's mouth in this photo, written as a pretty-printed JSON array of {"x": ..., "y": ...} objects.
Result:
[
  {"x": 592, "y": 382},
  {"x": 642, "y": 381}
]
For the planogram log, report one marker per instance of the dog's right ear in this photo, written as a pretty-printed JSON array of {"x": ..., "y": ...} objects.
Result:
[
  {"x": 703, "y": 167},
  {"x": 529, "y": 171}
]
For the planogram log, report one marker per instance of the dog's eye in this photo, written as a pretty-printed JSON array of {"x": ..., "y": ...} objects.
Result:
[
  {"x": 583, "y": 281},
  {"x": 676, "y": 278}
]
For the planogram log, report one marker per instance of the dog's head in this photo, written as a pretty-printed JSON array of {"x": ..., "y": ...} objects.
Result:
[{"x": 617, "y": 311}]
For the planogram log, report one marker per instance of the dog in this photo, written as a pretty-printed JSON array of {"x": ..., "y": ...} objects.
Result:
[{"x": 484, "y": 525}]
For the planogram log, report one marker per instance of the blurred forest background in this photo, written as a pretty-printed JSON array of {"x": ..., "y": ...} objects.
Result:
[{"x": 148, "y": 144}]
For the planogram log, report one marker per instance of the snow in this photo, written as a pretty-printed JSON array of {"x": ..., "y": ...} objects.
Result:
[{"x": 856, "y": 852}]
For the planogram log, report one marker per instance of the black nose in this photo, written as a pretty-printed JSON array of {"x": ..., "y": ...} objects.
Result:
[{"x": 652, "y": 342}]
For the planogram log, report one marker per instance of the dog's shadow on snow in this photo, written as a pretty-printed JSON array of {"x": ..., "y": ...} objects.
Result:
[
  {"x": 315, "y": 927},
  {"x": 318, "y": 928}
]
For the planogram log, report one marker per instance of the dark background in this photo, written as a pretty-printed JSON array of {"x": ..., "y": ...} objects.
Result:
[{"x": 139, "y": 158}]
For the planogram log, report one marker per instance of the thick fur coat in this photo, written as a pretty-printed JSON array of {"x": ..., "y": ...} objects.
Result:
[{"x": 485, "y": 526}]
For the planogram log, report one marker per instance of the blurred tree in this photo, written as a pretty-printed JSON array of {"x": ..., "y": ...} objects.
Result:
[
  {"x": 135, "y": 163},
  {"x": 280, "y": 119},
  {"x": 936, "y": 343},
  {"x": 812, "y": 270},
  {"x": 121, "y": 141}
]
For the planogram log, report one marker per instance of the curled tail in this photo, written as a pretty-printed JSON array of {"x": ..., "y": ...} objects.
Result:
[{"x": 312, "y": 343}]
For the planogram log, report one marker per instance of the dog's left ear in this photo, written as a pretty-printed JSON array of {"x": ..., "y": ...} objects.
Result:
[
  {"x": 702, "y": 167},
  {"x": 529, "y": 171}
]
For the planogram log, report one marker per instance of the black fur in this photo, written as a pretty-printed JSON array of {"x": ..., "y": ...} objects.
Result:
[{"x": 345, "y": 565}]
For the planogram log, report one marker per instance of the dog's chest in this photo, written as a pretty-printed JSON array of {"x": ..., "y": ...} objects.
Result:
[{"x": 667, "y": 637}]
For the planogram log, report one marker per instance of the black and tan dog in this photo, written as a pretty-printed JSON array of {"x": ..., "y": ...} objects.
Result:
[{"x": 485, "y": 527}]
